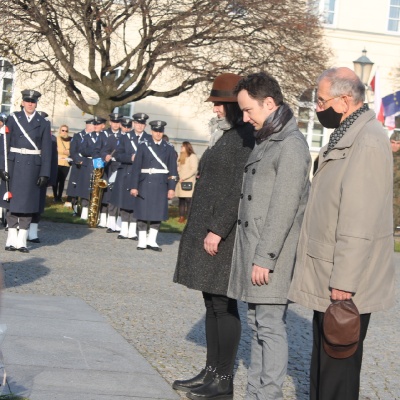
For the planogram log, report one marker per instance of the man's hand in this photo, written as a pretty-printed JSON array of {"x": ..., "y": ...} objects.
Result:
[
  {"x": 133, "y": 157},
  {"x": 134, "y": 192},
  {"x": 171, "y": 194},
  {"x": 211, "y": 243},
  {"x": 4, "y": 175},
  {"x": 42, "y": 181},
  {"x": 259, "y": 275},
  {"x": 337, "y": 294}
]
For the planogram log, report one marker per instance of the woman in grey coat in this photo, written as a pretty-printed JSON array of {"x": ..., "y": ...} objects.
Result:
[{"x": 205, "y": 252}]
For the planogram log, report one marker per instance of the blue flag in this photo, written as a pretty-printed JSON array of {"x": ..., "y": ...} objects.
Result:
[{"x": 391, "y": 104}]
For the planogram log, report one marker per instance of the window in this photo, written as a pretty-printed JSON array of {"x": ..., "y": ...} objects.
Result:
[
  {"x": 6, "y": 85},
  {"x": 307, "y": 120},
  {"x": 394, "y": 16},
  {"x": 324, "y": 8}
]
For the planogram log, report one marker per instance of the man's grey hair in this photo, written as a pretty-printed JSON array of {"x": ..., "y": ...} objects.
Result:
[{"x": 344, "y": 85}]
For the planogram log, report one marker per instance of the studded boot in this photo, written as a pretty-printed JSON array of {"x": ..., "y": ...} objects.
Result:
[
  {"x": 220, "y": 388},
  {"x": 206, "y": 375}
]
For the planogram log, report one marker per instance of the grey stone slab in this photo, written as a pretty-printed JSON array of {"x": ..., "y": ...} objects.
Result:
[
  {"x": 70, "y": 354},
  {"x": 53, "y": 327},
  {"x": 48, "y": 306},
  {"x": 41, "y": 383}
]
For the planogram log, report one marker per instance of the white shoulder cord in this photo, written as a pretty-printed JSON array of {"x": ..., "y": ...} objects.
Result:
[
  {"x": 156, "y": 157},
  {"x": 24, "y": 133}
]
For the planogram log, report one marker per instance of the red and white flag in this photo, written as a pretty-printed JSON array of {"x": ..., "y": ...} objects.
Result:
[{"x": 378, "y": 106}]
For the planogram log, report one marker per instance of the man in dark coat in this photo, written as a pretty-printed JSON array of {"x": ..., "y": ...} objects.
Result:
[
  {"x": 77, "y": 160},
  {"x": 125, "y": 154},
  {"x": 88, "y": 151},
  {"x": 154, "y": 173},
  {"x": 26, "y": 168},
  {"x": 107, "y": 146}
]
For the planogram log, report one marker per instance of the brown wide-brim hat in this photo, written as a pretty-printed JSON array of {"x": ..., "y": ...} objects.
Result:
[
  {"x": 341, "y": 329},
  {"x": 223, "y": 87}
]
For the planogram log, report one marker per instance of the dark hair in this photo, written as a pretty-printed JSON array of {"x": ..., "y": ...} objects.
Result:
[
  {"x": 260, "y": 86},
  {"x": 188, "y": 147},
  {"x": 233, "y": 113}
]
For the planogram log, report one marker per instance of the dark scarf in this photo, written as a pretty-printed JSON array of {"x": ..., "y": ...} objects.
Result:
[
  {"x": 339, "y": 132},
  {"x": 274, "y": 123}
]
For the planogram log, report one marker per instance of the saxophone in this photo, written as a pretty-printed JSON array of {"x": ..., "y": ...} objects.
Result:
[{"x": 97, "y": 185}]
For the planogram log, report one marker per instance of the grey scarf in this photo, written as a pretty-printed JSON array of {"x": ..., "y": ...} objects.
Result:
[
  {"x": 217, "y": 128},
  {"x": 274, "y": 123}
]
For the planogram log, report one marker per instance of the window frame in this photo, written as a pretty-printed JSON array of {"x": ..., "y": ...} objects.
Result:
[
  {"x": 4, "y": 74},
  {"x": 389, "y": 19}
]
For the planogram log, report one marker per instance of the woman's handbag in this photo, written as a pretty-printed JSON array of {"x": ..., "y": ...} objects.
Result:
[{"x": 186, "y": 185}]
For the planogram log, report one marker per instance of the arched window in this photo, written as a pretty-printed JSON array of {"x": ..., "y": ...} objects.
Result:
[
  {"x": 6, "y": 85},
  {"x": 308, "y": 122}
]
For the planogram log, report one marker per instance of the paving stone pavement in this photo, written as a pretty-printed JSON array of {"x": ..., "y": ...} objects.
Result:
[{"x": 165, "y": 321}]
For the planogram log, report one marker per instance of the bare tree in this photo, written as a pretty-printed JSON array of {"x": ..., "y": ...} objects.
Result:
[{"x": 116, "y": 51}]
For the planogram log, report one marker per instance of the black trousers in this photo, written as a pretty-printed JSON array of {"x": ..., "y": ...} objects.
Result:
[
  {"x": 334, "y": 378},
  {"x": 184, "y": 206},
  {"x": 223, "y": 331},
  {"x": 18, "y": 220},
  {"x": 58, "y": 188}
]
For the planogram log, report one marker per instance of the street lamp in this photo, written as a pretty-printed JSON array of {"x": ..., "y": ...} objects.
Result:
[{"x": 362, "y": 68}]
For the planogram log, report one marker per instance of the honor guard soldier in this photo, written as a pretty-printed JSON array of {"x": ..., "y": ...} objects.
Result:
[
  {"x": 154, "y": 174},
  {"x": 76, "y": 163},
  {"x": 125, "y": 154},
  {"x": 33, "y": 226},
  {"x": 88, "y": 152},
  {"x": 106, "y": 148},
  {"x": 25, "y": 165}
]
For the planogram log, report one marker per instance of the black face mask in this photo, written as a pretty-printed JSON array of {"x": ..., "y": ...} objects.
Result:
[{"x": 329, "y": 118}]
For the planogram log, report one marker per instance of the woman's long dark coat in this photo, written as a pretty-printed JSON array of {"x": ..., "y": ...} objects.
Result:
[{"x": 214, "y": 208}]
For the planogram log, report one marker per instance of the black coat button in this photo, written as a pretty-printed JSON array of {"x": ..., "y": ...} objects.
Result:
[
  {"x": 239, "y": 221},
  {"x": 246, "y": 224},
  {"x": 246, "y": 169},
  {"x": 241, "y": 195},
  {"x": 249, "y": 196},
  {"x": 253, "y": 171},
  {"x": 272, "y": 255}
]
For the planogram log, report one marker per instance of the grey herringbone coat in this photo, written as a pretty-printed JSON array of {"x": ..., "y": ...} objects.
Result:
[
  {"x": 214, "y": 208},
  {"x": 274, "y": 195}
]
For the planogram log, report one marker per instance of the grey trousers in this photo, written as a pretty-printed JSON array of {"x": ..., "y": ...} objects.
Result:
[{"x": 269, "y": 351}]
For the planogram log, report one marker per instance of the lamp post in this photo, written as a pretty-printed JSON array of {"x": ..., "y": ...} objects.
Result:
[{"x": 362, "y": 68}]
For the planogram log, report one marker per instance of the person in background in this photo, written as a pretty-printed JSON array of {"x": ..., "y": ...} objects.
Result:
[
  {"x": 205, "y": 250},
  {"x": 76, "y": 144},
  {"x": 63, "y": 150},
  {"x": 29, "y": 152},
  {"x": 395, "y": 144},
  {"x": 187, "y": 170},
  {"x": 33, "y": 226},
  {"x": 152, "y": 182},
  {"x": 345, "y": 249}
]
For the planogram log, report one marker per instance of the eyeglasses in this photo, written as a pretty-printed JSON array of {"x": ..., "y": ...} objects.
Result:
[
  {"x": 321, "y": 102},
  {"x": 64, "y": 130}
]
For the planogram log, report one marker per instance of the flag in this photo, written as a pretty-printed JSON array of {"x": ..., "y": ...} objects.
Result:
[
  {"x": 391, "y": 104},
  {"x": 378, "y": 106}
]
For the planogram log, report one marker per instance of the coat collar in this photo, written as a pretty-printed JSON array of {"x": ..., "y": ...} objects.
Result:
[{"x": 341, "y": 148}]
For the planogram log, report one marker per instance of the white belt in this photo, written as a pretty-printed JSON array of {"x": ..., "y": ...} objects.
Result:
[
  {"x": 154, "y": 171},
  {"x": 25, "y": 151}
]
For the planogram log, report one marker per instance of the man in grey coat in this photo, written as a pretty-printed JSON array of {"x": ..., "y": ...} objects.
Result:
[{"x": 273, "y": 199}]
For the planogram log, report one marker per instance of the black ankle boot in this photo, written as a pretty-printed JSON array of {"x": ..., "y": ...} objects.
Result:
[
  {"x": 205, "y": 376},
  {"x": 221, "y": 388}
]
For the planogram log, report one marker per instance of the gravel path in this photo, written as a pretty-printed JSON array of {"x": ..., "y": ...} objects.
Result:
[{"x": 165, "y": 321}]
